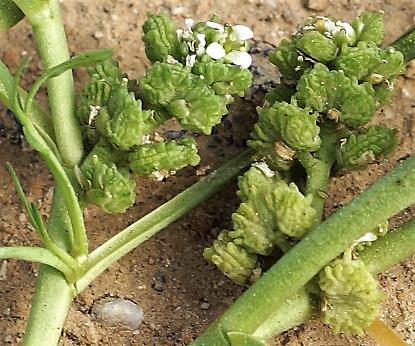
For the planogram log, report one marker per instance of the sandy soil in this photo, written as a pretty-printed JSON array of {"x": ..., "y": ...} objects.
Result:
[{"x": 167, "y": 276}]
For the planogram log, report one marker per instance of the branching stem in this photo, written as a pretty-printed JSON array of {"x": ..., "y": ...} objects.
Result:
[
  {"x": 152, "y": 223},
  {"x": 49, "y": 33},
  {"x": 391, "y": 194}
]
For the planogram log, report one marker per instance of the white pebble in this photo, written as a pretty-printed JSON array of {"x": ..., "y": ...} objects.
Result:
[
  {"x": 120, "y": 311},
  {"x": 175, "y": 11},
  {"x": 98, "y": 34}
]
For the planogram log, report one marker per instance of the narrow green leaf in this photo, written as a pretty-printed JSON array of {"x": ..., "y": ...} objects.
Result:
[
  {"x": 81, "y": 60},
  {"x": 40, "y": 117},
  {"x": 28, "y": 207},
  {"x": 39, "y": 222},
  {"x": 6, "y": 81},
  {"x": 39, "y": 255},
  {"x": 15, "y": 101}
]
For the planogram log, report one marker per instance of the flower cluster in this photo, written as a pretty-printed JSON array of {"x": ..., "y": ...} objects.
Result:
[
  {"x": 225, "y": 43},
  {"x": 197, "y": 70},
  {"x": 272, "y": 213},
  {"x": 351, "y": 295},
  {"x": 119, "y": 116},
  {"x": 334, "y": 78},
  {"x": 336, "y": 73}
]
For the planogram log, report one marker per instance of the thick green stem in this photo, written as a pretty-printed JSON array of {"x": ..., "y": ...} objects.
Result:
[
  {"x": 53, "y": 295},
  {"x": 386, "y": 252},
  {"x": 296, "y": 310},
  {"x": 391, "y": 194},
  {"x": 49, "y": 33},
  {"x": 154, "y": 222},
  {"x": 406, "y": 44}
]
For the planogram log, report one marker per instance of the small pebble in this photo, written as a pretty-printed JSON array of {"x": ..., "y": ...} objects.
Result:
[
  {"x": 317, "y": 5},
  {"x": 177, "y": 10},
  {"x": 159, "y": 281},
  {"x": 98, "y": 34},
  {"x": 170, "y": 134},
  {"x": 120, "y": 311},
  {"x": 205, "y": 306},
  {"x": 3, "y": 271},
  {"x": 22, "y": 217}
]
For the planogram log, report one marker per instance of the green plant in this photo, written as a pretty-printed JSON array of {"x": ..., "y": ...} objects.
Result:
[
  {"x": 303, "y": 135},
  {"x": 195, "y": 72},
  {"x": 93, "y": 142}
]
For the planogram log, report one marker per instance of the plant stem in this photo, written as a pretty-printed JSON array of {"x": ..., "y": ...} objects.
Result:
[
  {"x": 384, "y": 253},
  {"x": 62, "y": 177},
  {"x": 391, "y": 194},
  {"x": 53, "y": 295},
  {"x": 295, "y": 311},
  {"x": 38, "y": 115},
  {"x": 49, "y": 33},
  {"x": 64, "y": 183},
  {"x": 154, "y": 222},
  {"x": 390, "y": 249},
  {"x": 406, "y": 44},
  {"x": 81, "y": 60},
  {"x": 39, "y": 255},
  {"x": 318, "y": 167}
]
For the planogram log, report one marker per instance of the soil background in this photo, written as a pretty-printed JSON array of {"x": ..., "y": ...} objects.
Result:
[{"x": 167, "y": 276}]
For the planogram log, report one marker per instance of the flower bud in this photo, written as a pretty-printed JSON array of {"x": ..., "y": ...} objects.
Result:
[{"x": 160, "y": 159}]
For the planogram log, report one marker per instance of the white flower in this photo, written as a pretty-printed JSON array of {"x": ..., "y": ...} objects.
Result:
[
  {"x": 329, "y": 25},
  {"x": 202, "y": 44},
  {"x": 171, "y": 60},
  {"x": 94, "y": 110},
  {"x": 216, "y": 26},
  {"x": 242, "y": 32},
  {"x": 262, "y": 166},
  {"x": 346, "y": 27},
  {"x": 366, "y": 237},
  {"x": 308, "y": 27},
  {"x": 189, "y": 22},
  {"x": 239, "y": 58},
  {"x": 332, "y": 27},
  {"x": 190, "y": 60},
  {"x": 159, "y": 176},
  {"x": 145, "y": 139},
  {"x": 179, "y": 34},
  {"x": 215, "y": 51}
]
